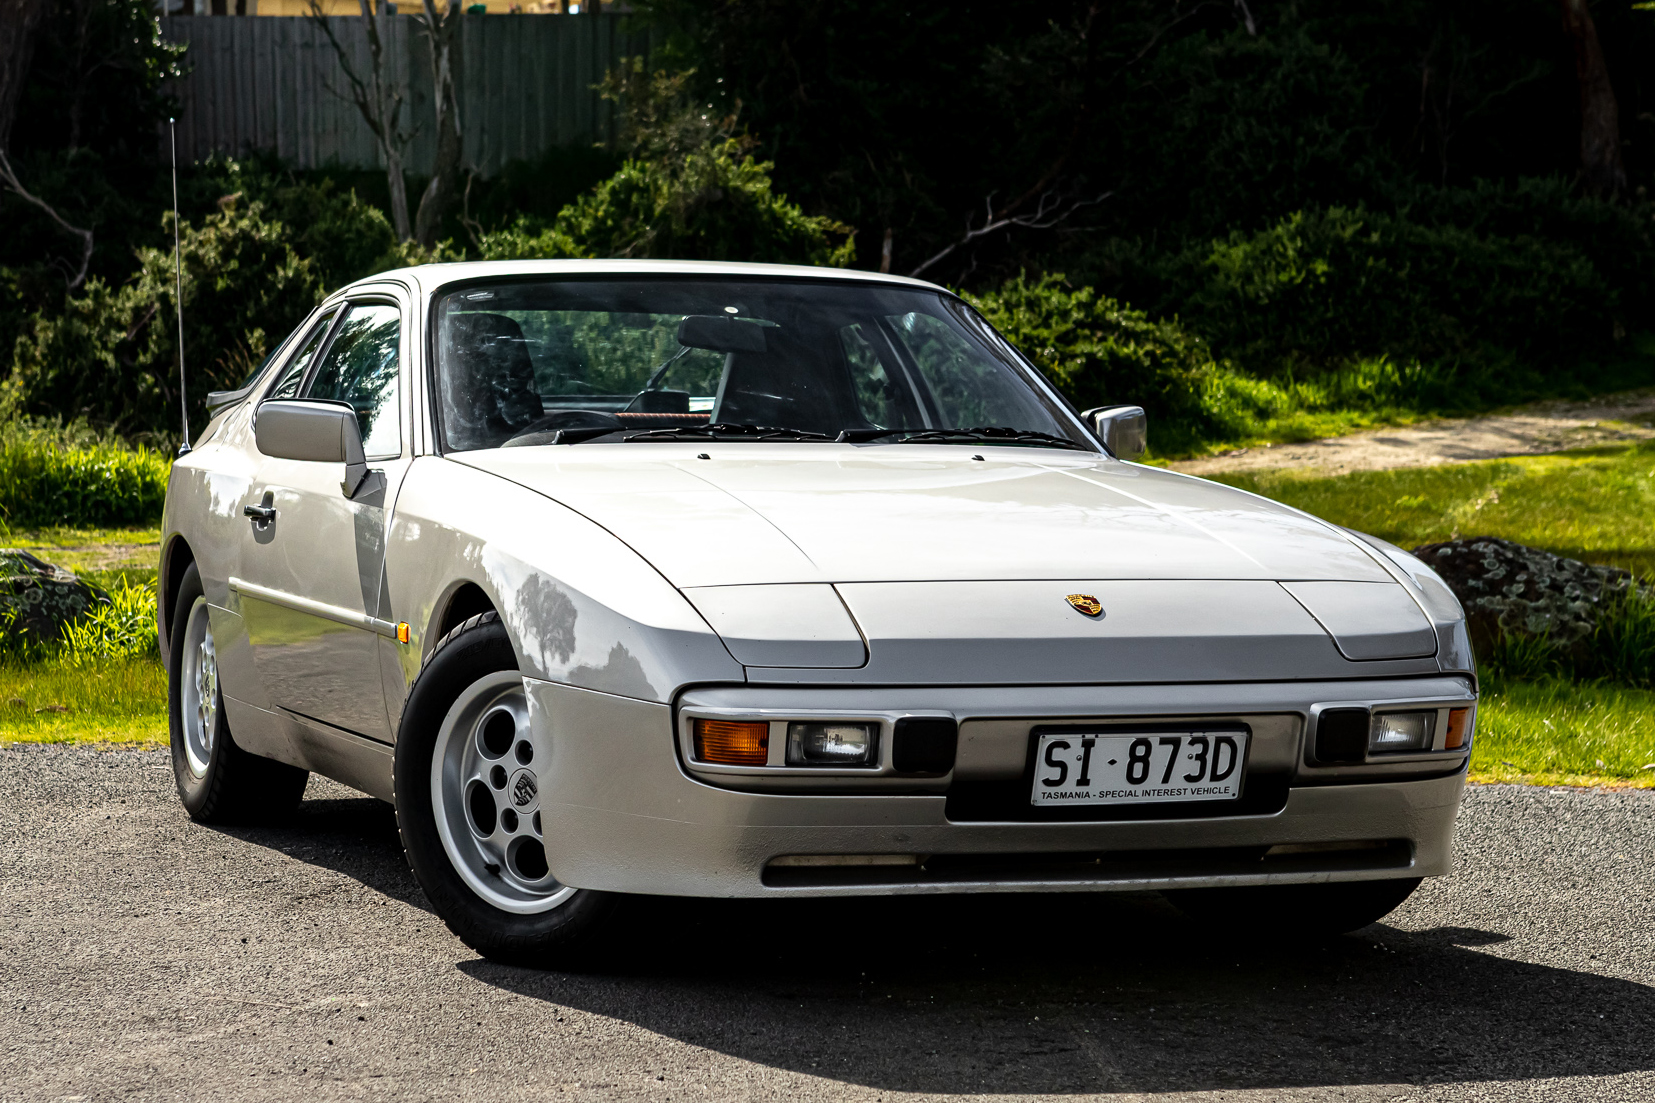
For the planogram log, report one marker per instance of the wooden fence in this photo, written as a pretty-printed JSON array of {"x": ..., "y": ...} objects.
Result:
[{"x": 276, "y": 85}]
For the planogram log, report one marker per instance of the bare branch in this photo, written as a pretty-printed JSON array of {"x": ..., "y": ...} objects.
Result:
[
  {"x": 1050, "y": 210},
  {"x": 8, "y": 177},
  {"x": 379, "y": 102}
]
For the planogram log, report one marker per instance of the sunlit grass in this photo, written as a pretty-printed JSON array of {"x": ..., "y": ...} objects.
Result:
[
  {"x": 121, "y": 701},
  {"x": 1595, "y": 504},
  {"x": 1563, "y": 733}
]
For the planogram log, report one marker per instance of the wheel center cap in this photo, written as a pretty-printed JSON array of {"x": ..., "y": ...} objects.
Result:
[{"x": 525, "y": 790}]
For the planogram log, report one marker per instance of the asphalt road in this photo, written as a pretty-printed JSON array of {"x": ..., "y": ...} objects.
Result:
[{"x": 143, "y": 957}]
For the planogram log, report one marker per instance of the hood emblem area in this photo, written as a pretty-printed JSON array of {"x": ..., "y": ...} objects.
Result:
[{"x": 1087, "y": 604}]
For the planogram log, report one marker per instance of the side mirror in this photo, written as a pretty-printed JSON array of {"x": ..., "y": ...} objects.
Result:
[
  {"x": 315, "y": 431},
  {"x": 1124, "y": 429}
]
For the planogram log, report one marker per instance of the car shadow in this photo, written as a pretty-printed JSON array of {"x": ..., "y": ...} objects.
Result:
[
  {"x": 1088, "y": 993},
  {"x": 355, "y": 836},
  {"x": 1025, "y": 993}
]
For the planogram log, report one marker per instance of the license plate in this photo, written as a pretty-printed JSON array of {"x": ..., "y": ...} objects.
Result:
[{"x": 1138, "y": 768}]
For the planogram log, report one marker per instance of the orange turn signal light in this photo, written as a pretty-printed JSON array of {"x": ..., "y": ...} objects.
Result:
[
  {"x": 402, "y": 632},
  {"x": 732, "y": 742},
  {"x": 1459, "y": 724}
]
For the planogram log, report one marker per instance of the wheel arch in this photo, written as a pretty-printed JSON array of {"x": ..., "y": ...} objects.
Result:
[
  {"x": 464, "y": 601},
  {"x": 176, "y": 558}
]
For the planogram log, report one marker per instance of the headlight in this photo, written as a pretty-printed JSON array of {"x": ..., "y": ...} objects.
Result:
[
  {"x": 1401, "y": 731},
  {"x": 832, "y": 744}
]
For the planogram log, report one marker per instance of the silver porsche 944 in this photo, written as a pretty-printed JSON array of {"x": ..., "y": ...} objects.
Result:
[{"x": 755, "y": 581}]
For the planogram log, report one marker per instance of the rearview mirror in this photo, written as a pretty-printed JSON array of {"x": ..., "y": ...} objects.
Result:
[
  {"x": 1123, "y": 429},
  {"x": 314, "y": 430},
  {"x": 720, "y": 333}
]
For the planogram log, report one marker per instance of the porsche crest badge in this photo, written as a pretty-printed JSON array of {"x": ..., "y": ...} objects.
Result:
[{"x": 1087, "y": 604}]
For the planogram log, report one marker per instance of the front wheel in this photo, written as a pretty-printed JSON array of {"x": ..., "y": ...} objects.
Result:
[
  {"x": 468, "y": 806},
  {"x": 1291, "y": 911},
  {"x": 217, "y": 780}
]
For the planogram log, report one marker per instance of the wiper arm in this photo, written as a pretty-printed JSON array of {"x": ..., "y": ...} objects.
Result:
[
  {"x": 986, "y": 434},
  {"x": 725, "y": 431}
]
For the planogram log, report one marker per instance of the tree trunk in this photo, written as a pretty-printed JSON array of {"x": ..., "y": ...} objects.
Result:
[
  {"x": 379, "y": 102},
  {"x": 1601, "y": 169},
  {"x": 442, "y": 31},
  {"x": 388, "y": 102}
]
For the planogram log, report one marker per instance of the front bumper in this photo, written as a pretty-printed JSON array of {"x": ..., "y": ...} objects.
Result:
[{"x": 621, "y": 813}]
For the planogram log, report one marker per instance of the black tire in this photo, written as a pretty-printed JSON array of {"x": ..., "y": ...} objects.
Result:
[
  {"x": 235, "y": 786},
  {"x": 1283, "y": 912},
  {"x": 565, "y": 936}
]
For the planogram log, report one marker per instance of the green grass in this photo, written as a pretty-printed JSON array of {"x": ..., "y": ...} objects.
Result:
[
  {"x": 1594, "y": 504},
  {"x": 102, "y": 556},
  {"x": 120, "y": 701},
  {"x": 1565, "y": 733}
]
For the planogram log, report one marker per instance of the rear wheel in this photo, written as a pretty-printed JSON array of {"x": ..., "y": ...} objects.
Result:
[
  {"x": 217, "y": 780},
  {"x": 468, "y": 807},
  {"x": 1289, "y": 911}
]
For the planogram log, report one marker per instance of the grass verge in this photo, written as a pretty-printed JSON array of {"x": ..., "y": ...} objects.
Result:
[
  {"x": 118, "y": 701},
  {"x": 1595, "y": 504},
  {"x": 1564, "y": 733}
]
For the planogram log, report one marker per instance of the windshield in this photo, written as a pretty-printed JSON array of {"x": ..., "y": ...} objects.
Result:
[{"x": 652, "y": 358}]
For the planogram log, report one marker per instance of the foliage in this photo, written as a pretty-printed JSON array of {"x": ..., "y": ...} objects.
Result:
[
  {"x": 1323, "y": 286},
  {"x": 690, "y": 189},
  {"x": 123, "y": 627},
  {"x": 1100, "y": 351},
  {"x": 52, "y": 475},
  {"x": 84, "y": 141},
  {"x": 111, "y": 355}
]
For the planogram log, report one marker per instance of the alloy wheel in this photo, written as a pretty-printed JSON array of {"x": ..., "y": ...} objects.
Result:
[
  {"x": 486, "y": 796},
  {"x": 198, "y": 686}
]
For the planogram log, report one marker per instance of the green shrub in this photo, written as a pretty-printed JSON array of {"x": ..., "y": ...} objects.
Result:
[
  {"x": 1323, "y": 287},
  {"x": 55, "y": 476},
  {"x": 1100, "y": 351},
  {"x": 689, "y": 190},
  {"x": 111, "y": 355},
  {"x": 123, "y": 627}
]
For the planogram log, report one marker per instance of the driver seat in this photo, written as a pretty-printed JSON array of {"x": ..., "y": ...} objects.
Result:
[{"x": 493, "y": 395}]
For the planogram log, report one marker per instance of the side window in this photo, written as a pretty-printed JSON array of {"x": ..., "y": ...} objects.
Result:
[
  {"x": 293, "y": 376},
  {"x": 362, "y": 367}
]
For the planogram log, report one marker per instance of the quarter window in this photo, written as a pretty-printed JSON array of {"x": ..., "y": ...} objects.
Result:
[
  {"x": 362, "y": 367},
  {"x": 293, "y": 376}
]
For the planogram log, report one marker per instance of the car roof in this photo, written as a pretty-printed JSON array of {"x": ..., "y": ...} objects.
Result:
[{"x": 428, "y": 278}]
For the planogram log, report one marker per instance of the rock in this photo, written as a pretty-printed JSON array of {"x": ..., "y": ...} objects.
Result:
[
  {"x": 37, "y": 599},
  {"x": 1511, "y": 589}
]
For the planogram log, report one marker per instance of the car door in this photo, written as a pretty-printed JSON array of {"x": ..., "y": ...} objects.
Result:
[{"x": 310, "y": 582}]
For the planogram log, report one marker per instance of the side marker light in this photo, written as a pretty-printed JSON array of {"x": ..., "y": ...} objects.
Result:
[
  {"x": 1459, "y": 726},
  {"x": 402, "y": 632}
]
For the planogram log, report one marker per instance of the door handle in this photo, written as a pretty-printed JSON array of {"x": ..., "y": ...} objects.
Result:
[{"x": 261, "y": 515}]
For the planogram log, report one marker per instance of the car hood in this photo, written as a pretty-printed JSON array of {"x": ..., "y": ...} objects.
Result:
[{"x": 711, "y": 514}]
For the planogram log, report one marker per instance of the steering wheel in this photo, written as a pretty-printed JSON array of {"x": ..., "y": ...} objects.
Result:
[{"x": 542, "y": 429}]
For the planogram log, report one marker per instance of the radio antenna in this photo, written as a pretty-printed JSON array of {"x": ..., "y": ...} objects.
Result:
[{"x": 178, "y": 294}]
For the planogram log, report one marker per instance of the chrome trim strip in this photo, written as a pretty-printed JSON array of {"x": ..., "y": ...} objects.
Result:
[{"x": 315, "y": 608}]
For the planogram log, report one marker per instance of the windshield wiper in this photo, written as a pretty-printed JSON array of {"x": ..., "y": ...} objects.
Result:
[
  {"x": 986, "y": 434},
  {"x": 725, "y": 431}
]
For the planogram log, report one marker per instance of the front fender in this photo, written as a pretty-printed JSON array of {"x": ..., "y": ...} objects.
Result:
[{"x": 581, "y": 607}]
